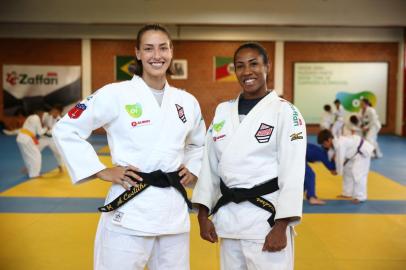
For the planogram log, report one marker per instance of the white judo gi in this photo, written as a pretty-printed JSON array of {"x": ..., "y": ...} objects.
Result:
[
  {"x": 355, "y": 171},
  {"x": 370, "y": 120},
  {"x": 327, "y": 120},
  {"x": 46, "y": 141},
  {"x": 148, "y": 136},
  {"x": 270, "y": 142},
  {"x": 28, "y": 144},
  {"x": 337, "y": 128},
  {"x": 350, "y": 128}
]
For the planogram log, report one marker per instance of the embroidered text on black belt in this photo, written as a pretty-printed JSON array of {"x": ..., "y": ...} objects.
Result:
[
  {"x": 253, "y": 195},
  {"x": 156, "y": 179}
]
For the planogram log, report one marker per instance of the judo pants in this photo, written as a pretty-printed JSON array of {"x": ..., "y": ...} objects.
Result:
[
  {"x": 30, "y": 153},
  {"x": 372, "y": 137},
  {"x": 337, "y": 129},
  {"x": 239, "y": 254},
  {"x": 115, "y": 251},
  {"x": 48, "y": 141},
  {"x": 355, "y": 184},
  {"x": 310, "y": 182}
]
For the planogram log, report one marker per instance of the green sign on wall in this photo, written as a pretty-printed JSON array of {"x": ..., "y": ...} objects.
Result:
[{"x": 122, "y": 69}]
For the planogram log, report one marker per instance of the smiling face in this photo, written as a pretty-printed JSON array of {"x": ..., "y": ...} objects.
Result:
[
  {"x": 155, "y": 52},
  {"x": 251, "y": 72}
]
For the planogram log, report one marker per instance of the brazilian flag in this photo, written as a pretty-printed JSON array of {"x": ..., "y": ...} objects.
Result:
[{"x": 124, "y": 67}]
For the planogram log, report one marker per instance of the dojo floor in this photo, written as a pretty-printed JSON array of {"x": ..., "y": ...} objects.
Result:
[{"x": 47, "y": 223}]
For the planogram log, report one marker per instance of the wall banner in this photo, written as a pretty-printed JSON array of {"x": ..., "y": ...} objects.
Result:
[
  {"x": 319, "y": 83},
  {"x": 26, "y": 88}
]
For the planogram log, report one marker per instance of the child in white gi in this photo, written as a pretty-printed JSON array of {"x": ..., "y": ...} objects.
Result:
[
  {"x": 352, "y": 158},
  {"x": 49, "y": 120},
  {"x": 352, "y": 126},
  {"x": 27, "y": 141},
  {"x": 337, "y": 128},
  {"x": 327, "y": 119},
  {"x": 155, "y": 130},
  {"x": 370, "y": 125},
  {"x": 255, "y": 157}
]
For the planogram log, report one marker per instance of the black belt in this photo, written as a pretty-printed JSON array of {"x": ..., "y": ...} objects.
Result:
[
  {"x": 156, "y": 179},
  {"x": 252, "y": 195},
  {"x": 356, "y": 153}
]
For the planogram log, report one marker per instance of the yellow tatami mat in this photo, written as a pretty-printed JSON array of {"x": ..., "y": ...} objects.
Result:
[
  {"x": 349, "y": 242},
  {"x": 65, "y": 241},
  {"x": 333, "y": 242},
  {"x": 104, "y": 150},
  {"x": 328, "y": 186},
  {"x": 380, "y": 187},
  {"x": 55, "y": 184},
  {"x": 325, "y": 241}
]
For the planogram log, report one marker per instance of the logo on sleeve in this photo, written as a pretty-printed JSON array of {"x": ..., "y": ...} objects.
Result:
[
  {"x": 264, "y": 133},
  {"x": 76, "y": 111},
  {"x": 296, "y": 136},
  {"x": 181, "y": 113},
  {"x": 134, "y": 110},
  {"x": 79, "y": 108},
  {"x": 295, "y": 116}
]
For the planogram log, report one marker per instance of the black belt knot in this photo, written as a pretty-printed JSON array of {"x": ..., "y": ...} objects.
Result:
[
  {"x": 157, "y": 179},
  {"x": 253, "y": 195}
]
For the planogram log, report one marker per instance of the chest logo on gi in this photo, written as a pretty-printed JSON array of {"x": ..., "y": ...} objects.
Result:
[
  {"x": 181, "y": 113},
  {"x": 134, "y": 110},
  {"x": 218, "y": 126},
  {"x": 264, "y": 133}
]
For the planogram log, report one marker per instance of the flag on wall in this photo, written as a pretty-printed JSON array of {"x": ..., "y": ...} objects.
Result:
[
  {"x": 224, "y": 69},
  {"x": 124, "y": 67},
  {"x": 27, "y": 88}
]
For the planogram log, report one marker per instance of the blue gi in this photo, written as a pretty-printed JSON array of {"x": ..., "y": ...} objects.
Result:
[{"x": 315, "y": 153}]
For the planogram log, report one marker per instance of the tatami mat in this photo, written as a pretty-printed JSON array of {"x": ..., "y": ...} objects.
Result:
[{"x": 48, "y": 223}]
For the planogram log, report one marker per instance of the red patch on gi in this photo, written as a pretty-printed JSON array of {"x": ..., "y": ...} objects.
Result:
[
  {"x": 76, "y": 111},
  {"x": 264, "y": 133},
  {"x": 181, "y": 113}
]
